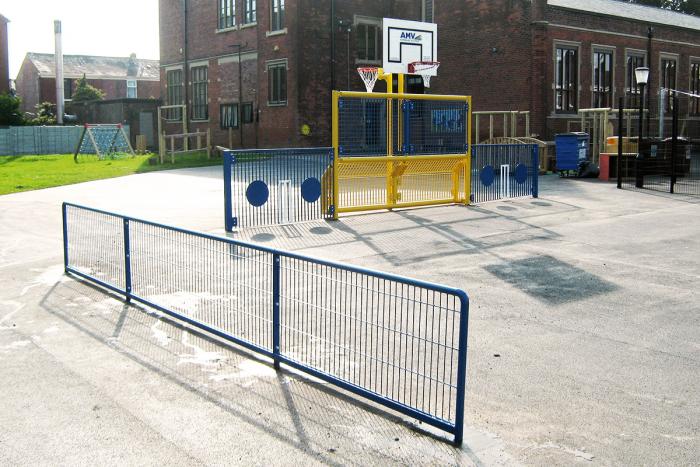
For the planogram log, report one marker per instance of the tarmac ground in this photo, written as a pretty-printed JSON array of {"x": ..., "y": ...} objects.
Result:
[{"x": 584, "y": 337}]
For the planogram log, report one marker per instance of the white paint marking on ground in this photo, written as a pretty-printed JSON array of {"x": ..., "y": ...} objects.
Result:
[
  {"x": 51, "y": 330},
  {"x": 247, "y": 369},
  {"x": 575, "y": 452},
  {"x": 160, "y": 335},
  {"x": 200, "y": 356},
  {"x": 47, "y": 277},
  {"x": 15, "y": 345},
  {"x": 11, "y": 303}
]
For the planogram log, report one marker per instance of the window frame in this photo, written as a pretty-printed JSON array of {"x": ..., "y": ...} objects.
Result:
[
  {"x": 424, "y": 11},
  {"x": 234, "y": 114},
  {"x": 270, "y": 68},
  {"x": 135, "y": 87},
  {"x": 244, "y": 119},
  {"x": 250, "y": 12},
  {"x": 632, "y": 89},
  {"x": 200, "y": 90},
  {"x": 68, "y": 89},
  {"x": 665, "y": 56},
  {"x": 367, "y": 22},
  {"x": 174, "y": 114},
  {"x": 610, "y": 93},
  {"x": 279, "y": 24},
  {"x": 694, "y": 87},
  {"x": 575, "y": 88},
  {"x": 226, "y": 15}
]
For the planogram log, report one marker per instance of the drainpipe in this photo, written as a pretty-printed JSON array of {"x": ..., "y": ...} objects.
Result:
[
  {"x": 186, "y": 71},
  {"x": 332, "y": 30},
  {"x": 650, "y": 36}
]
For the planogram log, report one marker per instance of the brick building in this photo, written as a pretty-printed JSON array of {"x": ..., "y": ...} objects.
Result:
[
  {"x": 118, "y": 77},
  {"x": 4, "y": 60},
  {"x": 549, "y": 57}
]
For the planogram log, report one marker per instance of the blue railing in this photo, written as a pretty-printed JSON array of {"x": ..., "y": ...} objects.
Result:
[
  {"x": 276, "y": 186},
  {"x": 399, "y": 342},
  {"x": 503, "y": 171}
]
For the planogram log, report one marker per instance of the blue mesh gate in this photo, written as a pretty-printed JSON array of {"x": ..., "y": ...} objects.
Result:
[
  {"x": 503, "y": 171},
  {"x": 276, "y": 186}
]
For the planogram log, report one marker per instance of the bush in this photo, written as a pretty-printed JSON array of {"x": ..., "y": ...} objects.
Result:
[
  {"x": 9, "y": 110},
  {"x": 85, "y": 92},
  {"x": 45, "y": 114}
]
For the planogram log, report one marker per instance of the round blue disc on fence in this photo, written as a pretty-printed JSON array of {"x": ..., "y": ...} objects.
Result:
[
  {"x": 487, "y": 175},
  {"x": 521, "y": 173},
  {"x": 311, "y": 190},
  {"x": 257, "y": 193}
]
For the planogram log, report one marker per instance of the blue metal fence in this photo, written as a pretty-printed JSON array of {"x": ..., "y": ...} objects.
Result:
[
  {"x": 19, "y": 140},
  {"x": 276, "y": 186},
  {"x": 399, "y": 342},
  {"x": 502, "y": 171}
]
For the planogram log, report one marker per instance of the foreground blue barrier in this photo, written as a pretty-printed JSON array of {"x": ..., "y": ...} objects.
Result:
[
  {"x": 399, "y": 342},
  {"x": 504, "y": 171}
]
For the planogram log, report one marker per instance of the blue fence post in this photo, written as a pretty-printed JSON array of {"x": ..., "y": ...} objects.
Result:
[
  {"x": 228, "y": 207},
  {"x": 127, "y": 261},
  {"x": 65, "y": 238},
  {"x": 276, "y": 309},
  {"x": 462, "y": 367},
  {"x": 536, "y": 171}
]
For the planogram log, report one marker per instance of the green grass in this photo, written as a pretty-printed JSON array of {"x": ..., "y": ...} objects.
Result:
[{"x": 32, "y": 172}]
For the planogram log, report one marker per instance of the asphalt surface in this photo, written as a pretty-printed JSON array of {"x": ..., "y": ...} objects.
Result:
[{"x": 584, "y": 344}]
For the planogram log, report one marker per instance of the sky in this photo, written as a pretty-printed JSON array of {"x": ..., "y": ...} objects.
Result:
[{"x": 90, "y": 27}]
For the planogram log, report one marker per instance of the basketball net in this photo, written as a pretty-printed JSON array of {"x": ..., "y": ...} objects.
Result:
[
  {"x": 369, "y": 76},
  {"x": 424, "y": 69}
]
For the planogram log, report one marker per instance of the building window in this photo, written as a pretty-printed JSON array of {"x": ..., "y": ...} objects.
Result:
[
  {"x": 695, "y": 88},
  {"x": 67, "y": 89},
  {"x": 227, "y": 14},
  {"x": 277, "y": 15},
  {"x": 247, "y": 112},
  {"x": 228, "y": 115},
  {"x": 428, "y": 6},
  {"x": 277, "y": 82},
  {"x": 368, "y": 38},
  {"x": 566, "y": 79},
  {"x": 131, "y": 92},
  {"x": 632, "y": 89},
  {"x": 249, "y": 13},
  {"x": 174, "y": 80},
  {"x": 602, "y": 79},
  {"x": 667, "y": 73},
  {"x": 200, "y": 97}
]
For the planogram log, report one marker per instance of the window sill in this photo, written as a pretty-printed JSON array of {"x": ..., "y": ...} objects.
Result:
[
  {"x": 247, "y": 25},
  {"x": 226, "y": 128},
  {"x": 277, "y": 104},
  {"x": 359, "y": 61},
  {"x": 277, "y": 32},
  {"x": 232, "y": 28},
  {"x": 205, "y": 120}
]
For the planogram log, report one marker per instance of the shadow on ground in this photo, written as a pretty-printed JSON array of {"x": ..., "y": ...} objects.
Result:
[{"x": 304, "y": 413}]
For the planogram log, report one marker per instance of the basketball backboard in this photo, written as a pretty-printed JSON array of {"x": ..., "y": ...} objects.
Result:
[{"x": 405, "y": 42}]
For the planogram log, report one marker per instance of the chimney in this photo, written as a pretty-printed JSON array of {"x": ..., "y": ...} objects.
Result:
[
  {"x": 133, "y": 67},
  {"x": 538, "y": 12},
  {"x": 58, "y": 56}
]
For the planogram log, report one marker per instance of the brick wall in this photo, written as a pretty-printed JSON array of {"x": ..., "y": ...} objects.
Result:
[{"x": 500, "y": 52}]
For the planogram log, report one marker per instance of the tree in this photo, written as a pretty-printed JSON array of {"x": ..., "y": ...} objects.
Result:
[
  {"x": 9, "y": 110},
  {"x": 85, "y": 92},
  {"x": 691, "y": 7}
]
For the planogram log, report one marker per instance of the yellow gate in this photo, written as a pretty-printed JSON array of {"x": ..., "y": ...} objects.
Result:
[{"x": 398, "y": 150}]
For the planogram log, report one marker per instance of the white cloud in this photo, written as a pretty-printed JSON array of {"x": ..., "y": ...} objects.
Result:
[{"x": 90, "y": 27}]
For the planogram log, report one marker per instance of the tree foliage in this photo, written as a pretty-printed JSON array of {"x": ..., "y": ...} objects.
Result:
[
  {"x": 85, "y": 92},
  {"x": 691, "y": 7},
  {"x": 45, "y": 114},
  {"x": 9, "y": 110}
]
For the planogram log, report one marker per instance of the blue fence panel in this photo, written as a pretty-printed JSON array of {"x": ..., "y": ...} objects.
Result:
[
  {"x": 276, "y": 186},
  {"x": 20, "y": 140},
  {"x": 399, "y": 342},
  {"x": 502, "y": 171}
]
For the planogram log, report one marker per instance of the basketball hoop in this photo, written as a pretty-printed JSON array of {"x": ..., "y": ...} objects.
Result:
[
  {"x": 424, "y": 69},
  {"x": 369, "y": 76}
]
